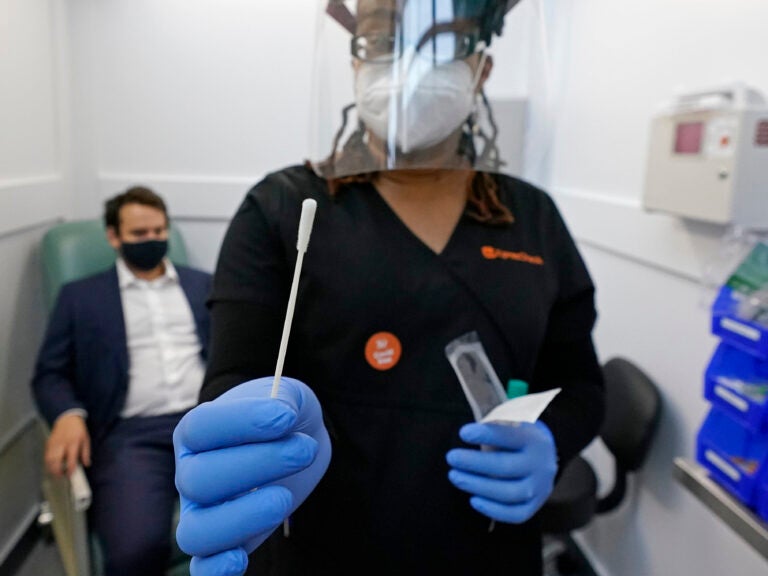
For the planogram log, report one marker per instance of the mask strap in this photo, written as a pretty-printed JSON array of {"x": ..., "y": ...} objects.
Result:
[{"x": 339, "y": 12}]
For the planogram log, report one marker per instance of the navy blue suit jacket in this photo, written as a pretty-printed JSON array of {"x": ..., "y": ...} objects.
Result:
[{"x": 83, "y": 362}]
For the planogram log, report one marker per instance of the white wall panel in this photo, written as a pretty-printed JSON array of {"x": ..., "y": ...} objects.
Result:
[
  {"x": 28, "y": 106},
  {"x": 203, "y": 241},
  {"x": 200, "y": 88},
  {"x": 208, "y": 198},
  {"x": 34, "y": 192},
  {"x": 620, "y": 225},
  {"x": 627, "y": 58},
  {"x": 22, "y": 319},
  {"x": 33, "y": 187},
  {"x": 32, "y": 201},
  {"x": 33, "y": 178}
]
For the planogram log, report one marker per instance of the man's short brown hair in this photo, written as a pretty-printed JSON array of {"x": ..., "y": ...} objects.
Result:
[{"x": 135, "y": 195}]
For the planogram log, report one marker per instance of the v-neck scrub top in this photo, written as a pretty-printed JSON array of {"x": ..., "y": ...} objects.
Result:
[{"x": 375, "y": 310}]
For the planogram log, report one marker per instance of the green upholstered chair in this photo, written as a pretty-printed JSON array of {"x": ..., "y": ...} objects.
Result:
[{"x": 74, "y": 250}]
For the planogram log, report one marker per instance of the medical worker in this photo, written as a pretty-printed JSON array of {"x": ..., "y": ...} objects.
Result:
[{"x": 369, "y": 461}]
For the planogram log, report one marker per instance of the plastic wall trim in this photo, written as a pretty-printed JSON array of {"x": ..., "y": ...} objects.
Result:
[
  {"x": 10, "y": 437},
  {"x": 8, "y": 547},
  {"x": 30, "y": 202},
  {"x": 206, "y": 198},
  {"x": 619, "y": 225}
]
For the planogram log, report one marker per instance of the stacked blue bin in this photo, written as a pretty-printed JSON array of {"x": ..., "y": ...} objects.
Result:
[{"x": 733, "y": 441}]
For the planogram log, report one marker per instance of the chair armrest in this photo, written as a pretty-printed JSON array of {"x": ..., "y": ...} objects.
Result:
[
  {"x": 68, "y": 498},
  {"x": 79, "y": 490}
]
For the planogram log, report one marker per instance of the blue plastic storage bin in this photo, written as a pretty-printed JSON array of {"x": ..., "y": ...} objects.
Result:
[
  {"x": 735, "y": 456},
  {"x": 762, "y": 499},
  {"x": 737, "y": 382},
  {"x": 748, "y": 336}
]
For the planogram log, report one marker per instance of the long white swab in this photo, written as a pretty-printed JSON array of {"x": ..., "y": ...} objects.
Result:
[{"x": 308, "y": 208}]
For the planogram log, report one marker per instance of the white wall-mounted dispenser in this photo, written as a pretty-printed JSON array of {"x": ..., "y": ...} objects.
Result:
[{"x": 708, "y": 158}]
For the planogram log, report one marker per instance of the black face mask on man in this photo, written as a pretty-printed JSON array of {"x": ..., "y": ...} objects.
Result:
[{"x": 144, "y": 255}]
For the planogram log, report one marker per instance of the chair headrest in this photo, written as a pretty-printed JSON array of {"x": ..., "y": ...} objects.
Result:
[{"x": 75, "y": 250}]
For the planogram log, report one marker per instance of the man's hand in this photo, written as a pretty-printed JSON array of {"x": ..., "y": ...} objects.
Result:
[{"x": 68, "y": 444}]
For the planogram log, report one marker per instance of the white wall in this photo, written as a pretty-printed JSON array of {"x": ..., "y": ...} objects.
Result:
[
  {"x": 199, "y": 98},
  {"x": 627, "y": 58},
  {"x": 196, "y": 98},
  {"x": 34, "y": 193}
]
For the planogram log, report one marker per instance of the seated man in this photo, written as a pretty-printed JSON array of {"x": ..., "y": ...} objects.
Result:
[{"x": 122, "y": 360}]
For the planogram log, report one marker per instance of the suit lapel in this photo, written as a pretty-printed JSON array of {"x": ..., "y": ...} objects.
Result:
[
  {"x": 196, "y": 301},
  {"x": 187, "y": 288},
  {"x": 113, "y": 308}
]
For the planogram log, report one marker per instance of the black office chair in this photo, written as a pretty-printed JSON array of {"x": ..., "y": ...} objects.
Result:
[{"x": 633, "y": 407}]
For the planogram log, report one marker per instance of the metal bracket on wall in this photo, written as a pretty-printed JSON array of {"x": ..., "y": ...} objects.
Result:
[{"x": 742, "y": 520}]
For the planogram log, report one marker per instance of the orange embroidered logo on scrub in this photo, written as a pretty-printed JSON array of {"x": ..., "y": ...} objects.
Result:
[
  {"x": 382, "y": 351},
  {"x": 491, "y": 253}
]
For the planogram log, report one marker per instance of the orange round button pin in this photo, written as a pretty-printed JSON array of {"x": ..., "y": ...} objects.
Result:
[{"x": 383, "y": 350}]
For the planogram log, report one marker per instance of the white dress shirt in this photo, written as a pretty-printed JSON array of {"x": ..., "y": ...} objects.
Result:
[{"x": 166, "y": 370}]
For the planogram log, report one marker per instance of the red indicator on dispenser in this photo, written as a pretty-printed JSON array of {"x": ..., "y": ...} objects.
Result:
[
  {"x": 761, "y": 137},
  {"x": 688, "y": 138}
]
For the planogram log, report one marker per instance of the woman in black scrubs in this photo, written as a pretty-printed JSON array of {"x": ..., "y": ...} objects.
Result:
[{"x": 417, "y": 241}]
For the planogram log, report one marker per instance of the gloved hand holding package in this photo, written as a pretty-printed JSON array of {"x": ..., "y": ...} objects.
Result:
[
  {"x": 512, "y": 481},
  {"x": 244, "y": 463},
  {"x": 512, "y": 472}
]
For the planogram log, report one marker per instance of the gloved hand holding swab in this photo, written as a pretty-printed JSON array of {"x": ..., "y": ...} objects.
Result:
[{"x": 308, "y": 208}]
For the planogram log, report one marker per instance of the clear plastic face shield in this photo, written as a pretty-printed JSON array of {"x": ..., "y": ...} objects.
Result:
[{"x": 400, "y": 84}]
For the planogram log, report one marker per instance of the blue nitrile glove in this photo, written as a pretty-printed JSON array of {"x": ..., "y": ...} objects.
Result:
[
  {"x": 510, "y": 482},
  {"x": 244, "y": 463}
]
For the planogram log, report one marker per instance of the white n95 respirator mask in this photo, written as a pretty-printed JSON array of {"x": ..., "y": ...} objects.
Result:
[{"x": 418, "y": 109}]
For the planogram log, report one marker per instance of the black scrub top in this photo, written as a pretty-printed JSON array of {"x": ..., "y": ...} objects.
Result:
[{"x": 375, "y": 310}]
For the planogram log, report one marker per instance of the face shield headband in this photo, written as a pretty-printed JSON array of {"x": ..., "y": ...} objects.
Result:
[
  {"x": 417, "y": 68},
  {"x": 490, "y": 15}
]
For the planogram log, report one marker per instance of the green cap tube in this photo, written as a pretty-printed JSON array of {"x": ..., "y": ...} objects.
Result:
[{"x": 516, "y": 388}]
